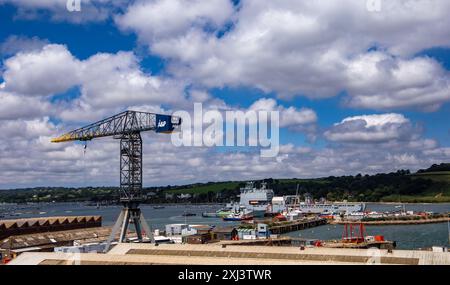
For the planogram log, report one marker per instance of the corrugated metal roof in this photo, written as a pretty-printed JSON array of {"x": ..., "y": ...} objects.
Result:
[
  {"x": 223, "y": 230},
  {"x": 29, "y": 222}
]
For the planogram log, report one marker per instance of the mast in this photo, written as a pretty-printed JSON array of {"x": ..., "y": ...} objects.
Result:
[
  {"x": 448, "y": 228},
  {"x": 296, "y": 196}
]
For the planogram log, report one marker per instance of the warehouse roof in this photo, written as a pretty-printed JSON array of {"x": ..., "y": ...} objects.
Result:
[
  {"x": 49, "y": 238},
  {"x": 181, "y": 254},
  {"x": 30, "y": 222},
  {"x": 224, "y": 230}
]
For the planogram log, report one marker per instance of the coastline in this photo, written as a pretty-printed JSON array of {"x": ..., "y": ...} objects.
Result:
[{"x": 406, "y": 203}]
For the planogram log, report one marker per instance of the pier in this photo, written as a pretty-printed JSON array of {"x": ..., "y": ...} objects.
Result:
[
  {"x": 281, "y": 241},
  {"x": 298, "y": 242},
  {"x": 395, "y": 221},
  {"x": 296, "y": 226}
]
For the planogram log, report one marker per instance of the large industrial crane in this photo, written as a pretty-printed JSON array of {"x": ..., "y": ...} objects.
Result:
[{"x": 127, "y": 126}]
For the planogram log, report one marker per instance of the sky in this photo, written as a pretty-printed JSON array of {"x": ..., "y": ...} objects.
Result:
[{"x": 360, "y": 88}]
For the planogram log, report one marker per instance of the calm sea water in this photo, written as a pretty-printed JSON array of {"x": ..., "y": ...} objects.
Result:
[
  {"x": 406, "y": 236},
  {"x": 156, "y": 218}
]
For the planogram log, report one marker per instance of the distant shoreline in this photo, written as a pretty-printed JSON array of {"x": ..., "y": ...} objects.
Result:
[{"x": 406, "y": 203}]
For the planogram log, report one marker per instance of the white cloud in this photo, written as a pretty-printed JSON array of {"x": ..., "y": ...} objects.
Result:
[
  {"x": 378, "y": 120},
  {"x": 26, "y": 129},
  {"x": 403, "y": 159},
  {"x": 311, "y": 48},
  {"x": 14, "y": 44},
  {"x": 48, "y": 71},
  {"x": 116, "y": 80},
  {"x": 56, "y": 10},
  {"x": 15, "y": 107},
  {"x": 440, "y": 152},
  {"x": 376, "y": 80},
  {"x": 107, "y": 82},
  {"x": 289, "y": 117},
  {"x": 157, "y": 19},
  {"x": 371, "y": 128},
  {"x": 291, "y": 148}
]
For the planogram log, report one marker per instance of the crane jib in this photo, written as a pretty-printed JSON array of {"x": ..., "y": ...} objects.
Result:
[{"x": 123, "y": 123}]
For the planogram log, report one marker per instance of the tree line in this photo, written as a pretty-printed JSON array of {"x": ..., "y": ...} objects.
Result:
[{"x": 366, "y": 188}]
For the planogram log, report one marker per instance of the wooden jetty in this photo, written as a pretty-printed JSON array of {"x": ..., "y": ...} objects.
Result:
[
  {"x": 280, "y": 241},
  {"x": 296, "y": 225},
  {"x": 389, "y": 245}
]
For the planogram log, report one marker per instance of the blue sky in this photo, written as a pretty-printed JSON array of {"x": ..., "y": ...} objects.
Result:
[{"x": 374, "y": 109}]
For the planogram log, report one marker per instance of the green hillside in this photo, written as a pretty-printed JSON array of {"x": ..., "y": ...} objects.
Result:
[
  {"x": 205, "y": 188},
  {"x": 443, "y": 176},
  {"x": 438, "y": 191}
]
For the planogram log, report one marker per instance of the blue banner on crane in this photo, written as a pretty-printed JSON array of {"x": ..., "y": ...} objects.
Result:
[{"x": 164, "y": 124}]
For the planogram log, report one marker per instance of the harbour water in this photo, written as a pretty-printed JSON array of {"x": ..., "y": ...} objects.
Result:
[
  {"x": 156, "y": 218},
  {"x": 406, "y": 236}
]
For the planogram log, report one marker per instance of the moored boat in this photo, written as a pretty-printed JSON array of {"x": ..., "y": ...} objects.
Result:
[
  {"x": 237, "y": 218},
  {"x": 243, "y": 215},
  {"x": 256, "y": 200},
  {"x": 309, "y": 206},
  {"x": 281, "y": 217},
  {"x": 223, "y": 213},
  {"x": 209, "y": 215}
]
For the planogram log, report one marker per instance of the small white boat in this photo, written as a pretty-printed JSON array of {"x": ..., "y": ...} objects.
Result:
[{"x": 243, "y": 215}]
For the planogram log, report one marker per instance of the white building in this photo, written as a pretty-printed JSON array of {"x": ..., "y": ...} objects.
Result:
[
  {"x": 184, "y": 196},
  {"x": 278, "y": 204},
  {"x": 175, "y": 229}
]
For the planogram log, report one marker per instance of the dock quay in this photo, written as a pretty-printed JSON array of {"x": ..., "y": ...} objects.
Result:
[
  {"x": 394, "y": 221},
  {"x": 280, "y": 241},
  {"x": 286, "y": 227},
  {"x": 214, "y": 254},
  {"x": 298, "y": 242}
]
